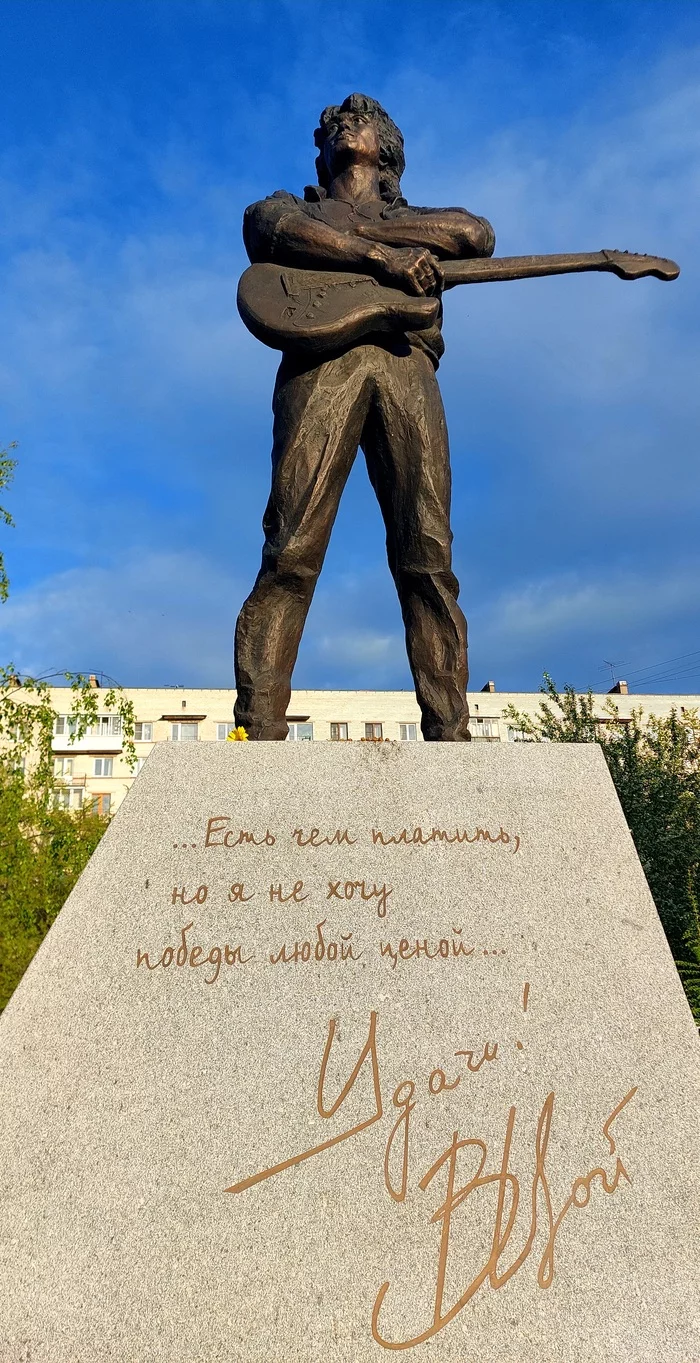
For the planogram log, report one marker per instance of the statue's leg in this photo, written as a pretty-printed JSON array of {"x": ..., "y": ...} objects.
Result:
[
  {"x": 405, "y": 443},
  {"x": 318, "y": 417}
]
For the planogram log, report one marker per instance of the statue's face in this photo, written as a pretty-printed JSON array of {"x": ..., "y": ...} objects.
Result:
[{"x": 352, "y": 137}]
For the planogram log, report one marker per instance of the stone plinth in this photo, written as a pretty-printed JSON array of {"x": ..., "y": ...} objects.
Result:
[{"x": 337, "y": 1049}]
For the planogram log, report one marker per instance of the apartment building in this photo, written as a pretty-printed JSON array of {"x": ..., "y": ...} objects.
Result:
[{"x": 93, "y": 768}]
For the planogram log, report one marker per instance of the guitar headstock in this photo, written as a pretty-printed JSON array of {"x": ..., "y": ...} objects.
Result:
[{"x": 628, "y": 265}]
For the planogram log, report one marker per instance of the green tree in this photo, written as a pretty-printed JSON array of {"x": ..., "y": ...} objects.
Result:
[
  {"x": 42, "y": 853},
  {"x": 655, "y": 765},
  {"x": 43, "y": 849},
  {"x": 7, "y": 469}
]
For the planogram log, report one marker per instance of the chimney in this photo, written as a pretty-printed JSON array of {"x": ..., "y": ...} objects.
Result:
[
  {"x": 93, "y": 682},
  {"x": 490, "y": 686},
  {"x": 619, "y": 689}
]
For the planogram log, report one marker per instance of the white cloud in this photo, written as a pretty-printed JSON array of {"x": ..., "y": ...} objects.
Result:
[
  {"x": 543, "y": 611},
  {"x": 551, "y": 622},
  {"x": 148, "y": 618},
  {"x": 571, "y": 622},
  {"x": 582, "y": 392},
  {"x": 594, "y": 378}
]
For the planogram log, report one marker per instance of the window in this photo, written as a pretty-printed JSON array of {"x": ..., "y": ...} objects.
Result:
[
  {"x": 223, "y": 730},
  {"x": 408, "y": 733},
  {"x": 301, "y": 733},
  {"x": 100, "y": 804},
  {"x": 139, "y": 763},
  {"x": 517, "y": 735},
  {"x": 63, "y": 766},
  {"x": 103, "y": 766},
  {"x": 106, "y": 725},
  {"x": 373, "y": 731},
  {"x": 483, "y": 728},
  {"x": 67, "y": 798},
  {"x": 64, "y": 724},
  {"x": 339, "y": 732},
  {"x": 143, "y": 733},
  {"x": 609, "y": 730},
  {"x": 184, "y": 732}
]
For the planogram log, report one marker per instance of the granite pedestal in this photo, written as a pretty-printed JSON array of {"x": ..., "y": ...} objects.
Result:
[{"x": 340, "y": 1050}]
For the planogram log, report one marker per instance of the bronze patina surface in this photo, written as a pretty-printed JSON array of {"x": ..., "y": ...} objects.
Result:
[
  {"x": 348, "y": 283},
  {"x": 380, "y": 394}
]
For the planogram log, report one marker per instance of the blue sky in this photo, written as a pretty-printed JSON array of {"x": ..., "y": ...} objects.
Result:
[{"x": 136, "y": 132}]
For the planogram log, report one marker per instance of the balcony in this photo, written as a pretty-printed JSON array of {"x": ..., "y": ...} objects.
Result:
[
  {"x": 103, "y": 736},
  {"x": 65, "y": 744},
  {"x": 484, "y": 730}
]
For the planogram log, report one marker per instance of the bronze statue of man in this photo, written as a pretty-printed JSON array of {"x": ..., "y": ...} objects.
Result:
[
  {"x": 380, "y": 394},
  {"x": 348, "y": 282}
]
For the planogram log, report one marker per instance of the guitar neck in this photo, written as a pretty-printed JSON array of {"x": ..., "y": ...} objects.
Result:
[{"x": 486, "y": 271}]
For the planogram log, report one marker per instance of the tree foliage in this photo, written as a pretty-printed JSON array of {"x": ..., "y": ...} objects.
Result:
[
  {"x": 42, "y": 853},
  {"x": 42, "y": 849},
  {"x": 7, "y": 470},
  {"x": 655, "y": 765}
]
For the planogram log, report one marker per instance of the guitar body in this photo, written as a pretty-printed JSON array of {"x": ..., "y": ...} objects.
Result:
[
  {"x": 319, "y": 312},
  {"x": 322, "y": 311}
]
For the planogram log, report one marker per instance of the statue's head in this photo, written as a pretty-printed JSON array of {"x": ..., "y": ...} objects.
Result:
[{"x": 360, "y": 129}]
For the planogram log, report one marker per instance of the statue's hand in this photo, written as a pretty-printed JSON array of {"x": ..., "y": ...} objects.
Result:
[{"x": 410, "y": 268}]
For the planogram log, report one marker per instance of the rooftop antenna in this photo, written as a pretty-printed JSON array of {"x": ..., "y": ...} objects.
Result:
[{"x": 614, "y": 678}]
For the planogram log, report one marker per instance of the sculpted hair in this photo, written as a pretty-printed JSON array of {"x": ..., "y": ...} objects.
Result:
[{"x": 391, "y": 158}]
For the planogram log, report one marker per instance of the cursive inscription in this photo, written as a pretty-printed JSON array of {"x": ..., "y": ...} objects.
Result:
[
  {"x": 296, "y": 894},
  {"x": 237, "y": 894},
  {"x": 508, "y": 1187},
  {"x": 219, "y": 834},
  {"x": 315, "y": 838},
  {"x": 186, "y": 955},
  {"x": 369, "y": 1051},
  {"x": 198, "y": 896},
  {"x": 543, "y": 1220},
  {"x": 422, "y": 837},
  {"x": 347, "y": 889},
  {"x": 320, "y": 951},
  {"x": 446, "y": 949}
]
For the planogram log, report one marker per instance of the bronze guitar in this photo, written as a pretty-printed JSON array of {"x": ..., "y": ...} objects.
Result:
[{"x": 321, "y": 311}]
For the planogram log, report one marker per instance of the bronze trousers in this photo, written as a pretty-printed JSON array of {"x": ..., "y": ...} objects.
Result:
[{"x": 388, "y": 402}]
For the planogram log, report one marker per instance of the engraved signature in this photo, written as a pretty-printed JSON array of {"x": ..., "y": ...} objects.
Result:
[{"x": 544, "y": 1219}]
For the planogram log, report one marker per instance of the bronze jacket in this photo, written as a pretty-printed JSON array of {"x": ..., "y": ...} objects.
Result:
[{"x": 261, "y": 224}]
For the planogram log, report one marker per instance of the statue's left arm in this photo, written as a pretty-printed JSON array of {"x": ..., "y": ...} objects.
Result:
[{"x": 450, "y": 233}]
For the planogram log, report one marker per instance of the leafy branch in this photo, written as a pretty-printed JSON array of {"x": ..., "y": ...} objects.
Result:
[
  {"x": 42, "y": 849},
  {"x": 7, "y": 473},
  {"x": 655, "y": 765}
]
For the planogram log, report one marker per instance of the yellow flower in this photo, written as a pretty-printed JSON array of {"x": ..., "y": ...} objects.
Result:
[{"x": 238, "y": 735}]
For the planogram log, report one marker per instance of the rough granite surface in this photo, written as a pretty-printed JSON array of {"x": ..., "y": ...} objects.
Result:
[{"x": 479, "y": 1024}]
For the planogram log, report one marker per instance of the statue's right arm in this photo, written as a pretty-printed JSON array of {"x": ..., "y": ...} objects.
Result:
[{"x": 276, "y": 230}]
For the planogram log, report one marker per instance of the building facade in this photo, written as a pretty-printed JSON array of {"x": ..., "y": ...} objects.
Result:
[{"x": 93, "y": 769}]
